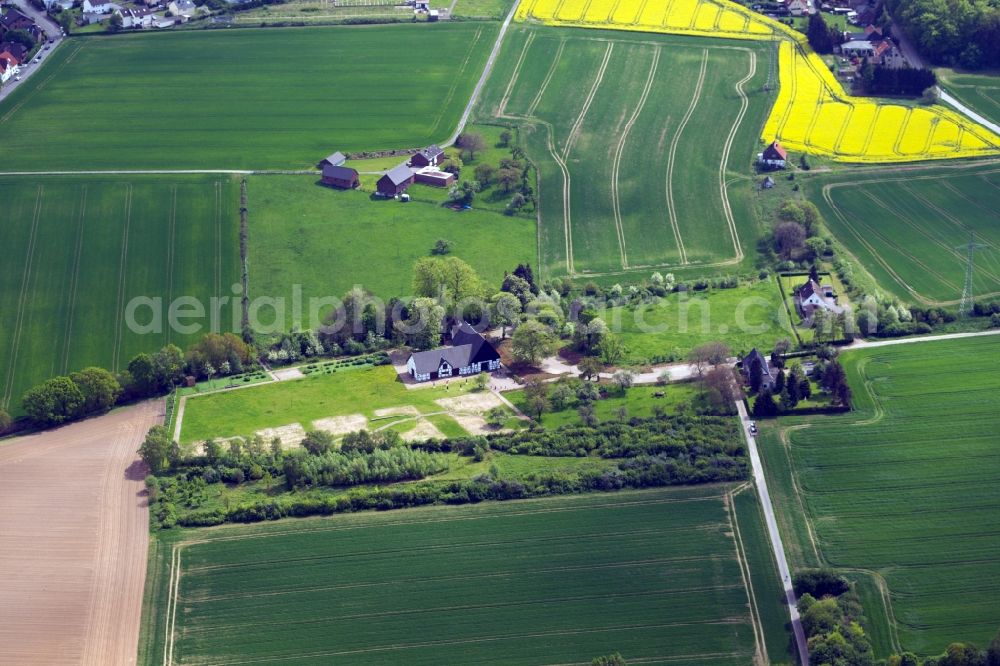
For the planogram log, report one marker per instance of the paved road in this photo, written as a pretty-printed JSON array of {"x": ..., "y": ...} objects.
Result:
[
  {"x": 863, "y": 344},
  {"x": 482, "y": 79},
  {"x": 772, "y": 532},
  {"x": 51, "y": 29}
]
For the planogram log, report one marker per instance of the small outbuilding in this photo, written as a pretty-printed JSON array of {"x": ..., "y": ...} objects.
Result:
[
  {"x": 429, "y": 156},
  {"x": 767, "y": 183},
  {"x": 434, "y": 176},
  {"x": 336, "y": 159},
  {"x": 343, "y": 177},
  {"x": 395, "y": 181}
]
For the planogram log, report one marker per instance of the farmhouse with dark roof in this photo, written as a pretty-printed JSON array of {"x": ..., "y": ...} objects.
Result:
[
  {"x": 469, "y": 354},
  {"x": 395, "y": 181},
  {"x": 343, "y": 177},
  {"x": 429, "y": 156},
  {"x": 773, "y": 157}
]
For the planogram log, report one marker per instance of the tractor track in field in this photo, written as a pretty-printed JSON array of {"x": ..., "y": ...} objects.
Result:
[
  {"x": 122, "y": 281},
  {"x": 442, "y": 579},
  {"x": 786, "y": 444},
  {"x": 727, "y": 208},
  {"x": 171, "y": 236},
  {"x": 515, "y": 75},
  {"x": 760, "y": 656},
  {"x": 574, "y": 132},
  {"x": 218, "y": 238},
  {"x": 671, "y": 159},
  {"x": 74, "y": 280},
  {"x": 548, "y": 79},
  {"x": 619, "y": 151},
  {"x": 22, "y": 301}
]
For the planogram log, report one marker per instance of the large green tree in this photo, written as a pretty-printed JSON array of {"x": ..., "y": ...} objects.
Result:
[
  {"x": 531, "y": 342},
  {"x": 99, "y": 387},
  {"x": 54, "y": 401},
  {"x": 157, "y": 449}
]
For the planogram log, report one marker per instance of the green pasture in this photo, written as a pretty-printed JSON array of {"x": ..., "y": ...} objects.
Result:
[
  {"x": 651, "y": 574},
  {"x": 639, "y": 402},
  {"x": 908, "y": 230},
  {"x": 495, "y": 9},
  {"x": 581, "y": 99},
  {"x": 316, "y": 396},
  {"x": 902, "y": 490},
  {"x": 744, "y": 317},
  {"x": 980, "y": 92},
  {"x": 81, "y": 248},
  {"x": 242, "y": 99},
  {"x": 328, "y": 241}
]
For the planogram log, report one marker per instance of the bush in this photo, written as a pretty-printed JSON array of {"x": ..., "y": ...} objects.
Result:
[{"x": 820, "y": 583}]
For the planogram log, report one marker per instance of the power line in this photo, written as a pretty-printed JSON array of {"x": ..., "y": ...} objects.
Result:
[{"x": 966, "y": 305}]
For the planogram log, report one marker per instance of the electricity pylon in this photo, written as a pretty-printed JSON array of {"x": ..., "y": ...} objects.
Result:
[{"x": 966, "y": 305}]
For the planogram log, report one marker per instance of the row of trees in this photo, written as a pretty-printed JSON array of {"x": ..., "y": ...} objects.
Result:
[
  {"x": 880, "y": 80},
  {"x": 965, "y": 33}
]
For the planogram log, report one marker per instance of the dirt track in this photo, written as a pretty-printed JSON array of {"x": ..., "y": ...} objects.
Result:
[{"x": 73, "y": 540}]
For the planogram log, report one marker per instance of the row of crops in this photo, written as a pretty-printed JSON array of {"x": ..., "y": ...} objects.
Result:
[{"x": 812, "y": 113}]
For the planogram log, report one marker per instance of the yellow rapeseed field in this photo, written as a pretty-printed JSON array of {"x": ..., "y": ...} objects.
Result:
[{"x": 812, "y": 112}]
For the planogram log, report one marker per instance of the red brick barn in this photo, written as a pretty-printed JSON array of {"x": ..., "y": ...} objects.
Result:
[
  {"x": 429, "y": 156},
  {"x": 395, "y": 181},
  {"x": 343, "y": 177}
]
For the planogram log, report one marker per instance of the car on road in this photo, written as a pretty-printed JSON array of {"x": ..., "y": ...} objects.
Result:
[{"x": 753, "y": 427}]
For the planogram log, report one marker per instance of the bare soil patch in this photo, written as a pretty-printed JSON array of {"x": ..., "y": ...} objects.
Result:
[
  {"x": 291, "y": 435},
  {"x": 341, "y": 425},
  {"x": 423, "y": 430},
  {"x": 471, "y": 403},
  {"x": 75, "y": 532}
]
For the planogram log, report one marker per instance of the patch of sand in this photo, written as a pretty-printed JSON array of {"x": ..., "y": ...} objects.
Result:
[
  {"x": 471, "y": 403},
  {"x": 75, "y": 532},
  {"x": 341, "y": 425},
  {"x": 473, "y": 423},
  {"x": 291, "y": 435},
  {"x": 287, "y": 373},
  {"x": 423, "y": 430},
  {"x": 405, "y": 410}
]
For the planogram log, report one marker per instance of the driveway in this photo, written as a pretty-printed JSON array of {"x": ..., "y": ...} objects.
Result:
[{"x": 51, "y": 29}]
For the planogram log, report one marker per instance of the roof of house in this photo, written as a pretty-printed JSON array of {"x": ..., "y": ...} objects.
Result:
[
  {"x": 16, "y": 49},
  {"x": 775, "y": 150},
  {"x": 184, "y": 4},
  {"x": 4, "y": 63},
  {"x": 765, "y": 367},
  {"x": 431, "y": 152},
  {"x": 856, "y": 45},
  {"x": 768, "y": 180},
  {"x": 336, "y": 159},
  {"x": 9, "y": 58},
  {"x": 398, "y": 174},
  {"x": 339, "y": 172},
  {"x": 13, "y": 16},
  {"x": 468, "y": 347},
  {"x": 808, "y": 289}
]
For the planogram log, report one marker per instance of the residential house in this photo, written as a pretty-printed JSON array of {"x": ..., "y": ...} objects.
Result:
[
  {"x": 767, "y": 373},
  {"x": 98, "y": 6},
  {"x": 343, "y": 177},
  {"x": 773, "y": 157},
  {"x": 137, "y": 18},
  {"x": 16, "y": 50},
  {"x": 858, "y": 48},
  {"x": 336, "y": 159},
  {"x": 9, "y": 66},
  {"x": 182, "y": 8},
  {"x": 15, "y": 20},
  {"x": 811, "y": 297},
  {"x": 470, "y": 353},
  {"x": 429, "y": 156},
  {"x": 395, "y": 181},
  {"x": 800, "y": 7},
  {"x": 893, "y": 58}
]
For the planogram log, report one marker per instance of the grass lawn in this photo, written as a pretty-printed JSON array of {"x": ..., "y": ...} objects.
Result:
[
  {"x": 341, "y": 393},
  {"x": 82, "y": 248},
  {"x": 602, "y": 117},
  {"x": 638, "y": 400},
  {"x": 328, "y": 240},
  {"x": 652, "y": 574},
  {"x": 744, "y": 317},
  {"x": 241, "y": 99},
  {"x": 482, "y": 8},
  {"x": 923, "y": 218},
  {"x": 903, "y": 489}
]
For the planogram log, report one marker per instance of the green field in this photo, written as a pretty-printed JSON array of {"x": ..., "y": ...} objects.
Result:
[
  {"x": 659, "y": 576},
  {"x": 81, "y": 248},
  {"x": 633, "y": 137},
  {"x": 241, "y": 99},
  {"x": 743, "y": 317},
  {"x": 907, "y": 229},
  {"x": 903, "y": 490},
  {"x": 639, "y": 401},
  {"x": 978, "y": 91},
  {"x": 327, "y": 240},
  {"x": 483, "y": 8},
  {"x": 318, "y": 396}
]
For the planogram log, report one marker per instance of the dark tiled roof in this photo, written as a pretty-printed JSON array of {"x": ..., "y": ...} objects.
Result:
[
  {"x": 765, "y": 367},
  {"x": 808, "y": 289},
  {"x": 430, "y": 152},
  {"x": 399, "y": 174},
  {"x": 339, "y": 172},
  {"x": 427, "y": 362}
]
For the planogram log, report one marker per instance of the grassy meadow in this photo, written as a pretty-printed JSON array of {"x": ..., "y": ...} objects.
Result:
[
  {"x": 82, "y": 247},
  {"x": 327, "y": 241},
  {"x": 639, "y": 401},
  {"x": 907, "y": 229},
  {"x": 241, "y": 99},
  {"x": 630, "y": 135},
  {"x": 744, "y": 317},
  {"x": 655, "y": 575},
  {"x": 980, "y": 92},
  {"x": 344, "y": 392},
  {"x": 902, "y": 491}
]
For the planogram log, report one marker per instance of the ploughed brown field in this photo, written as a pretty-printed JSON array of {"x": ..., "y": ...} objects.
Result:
[{"x": 74, "y": 533}]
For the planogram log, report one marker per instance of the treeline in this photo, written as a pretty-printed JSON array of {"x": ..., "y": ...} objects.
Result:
[
  {"x": 880, "y": 80},
  {"x": 965, "y": 33},
  {"x": 647, "y": 453},
  {"x": 96, "y": 390},
  {"x": 833, "y": 620},
  {"x": 991, "y": 310}
]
